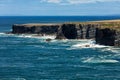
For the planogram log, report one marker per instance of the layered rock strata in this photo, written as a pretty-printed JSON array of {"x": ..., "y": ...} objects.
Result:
[
  {"x": 35, "y": 29},
  {"x": 98, "y": 31}
]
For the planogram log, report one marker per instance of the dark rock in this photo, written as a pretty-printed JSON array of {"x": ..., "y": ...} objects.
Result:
[
  {"x": 117, "y": 39},
  {"x": 48, "y": 40},
  {"x": 76, "y": 31},
  {"x": 35, "y": 29},
  {"x": 67, "y": 31},
  {"x": 103, "y": 36}
]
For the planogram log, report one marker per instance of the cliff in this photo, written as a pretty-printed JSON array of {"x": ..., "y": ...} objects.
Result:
[
  {"x": 76, "y": 31},
  {"x": 104, "y": 32},
  {"x": 35, "y": 28}
]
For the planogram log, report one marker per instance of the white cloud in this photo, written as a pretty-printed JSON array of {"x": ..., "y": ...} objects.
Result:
[
  {"x": 51, "y": 1},
  {"x": 54, "y": 1},
  {"x": 77, "y": 1},
  {"x": 64, "y": 2}
]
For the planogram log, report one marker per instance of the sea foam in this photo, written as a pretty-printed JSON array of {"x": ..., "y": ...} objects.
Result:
[
  {"x": 48, "y": 37},
  {"x": 2, "y": 33},
  {"x": 95, "y": 60},
  {"x": 35, "y": 36},
  {"x": 88, "y": 44}
]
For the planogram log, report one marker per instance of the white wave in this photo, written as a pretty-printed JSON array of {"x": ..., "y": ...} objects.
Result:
[
  {"x": 115, "y": 50},
  {"x": 36, "y": 36},
  {"x": 23, "y": 35},
  {"x": 88, "y": 45},
  {"x": 48, "y": 37},
  {"x": 93, "y": 60},
  {"x": 112, "y": 49},
  {"x": 31, "y": 36},
  {"x": 2, "y": 33},
  {"x": 6, "y": 35}
]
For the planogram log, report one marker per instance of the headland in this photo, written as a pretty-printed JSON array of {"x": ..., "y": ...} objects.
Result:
[{"x": 104, "y": 32}]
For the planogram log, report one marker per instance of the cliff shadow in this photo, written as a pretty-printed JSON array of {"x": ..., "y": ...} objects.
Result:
[
  {"x": 69, "y": 31},
  {"x": 105, "y": 36}
]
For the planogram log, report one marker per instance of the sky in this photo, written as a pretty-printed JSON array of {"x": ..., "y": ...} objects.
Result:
[{"x": 59, "y": 7}]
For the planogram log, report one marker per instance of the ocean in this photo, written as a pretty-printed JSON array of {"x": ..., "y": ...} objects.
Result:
[{"x": 28, "y": 57}]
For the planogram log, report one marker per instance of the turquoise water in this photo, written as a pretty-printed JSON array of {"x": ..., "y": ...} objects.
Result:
[{"x": 28, "y": 57}]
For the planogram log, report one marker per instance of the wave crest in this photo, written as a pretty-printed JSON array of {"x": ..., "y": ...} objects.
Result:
[{"x": 93, "y": 60}]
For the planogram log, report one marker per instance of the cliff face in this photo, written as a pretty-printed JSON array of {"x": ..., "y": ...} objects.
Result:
[
  {"x": 35, "y": 29},
  {"x": 63, "y": 31},
  {"x": 67, "y": 31},
  {"x": 107, "y": 37},
  {"x": 103, "y": 36},
  {"x": 117, "y": 39},
  {"x": 76, "y": 31}
]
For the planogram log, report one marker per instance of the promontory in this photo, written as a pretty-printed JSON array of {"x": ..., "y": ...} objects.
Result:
[{"x": 104, "y": 32}]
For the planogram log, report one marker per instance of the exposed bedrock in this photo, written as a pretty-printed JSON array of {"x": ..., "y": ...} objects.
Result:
[
  {"x": 76, "y": 31},
  {"x": 107, "y": 37},
  {"x": 35, "y": 29},
  {"x": 63, "y": 31},
  {"x": 117, "y": 39},
  {"x": 67, "y": 31},
  {"x": 103, "y": 36}
]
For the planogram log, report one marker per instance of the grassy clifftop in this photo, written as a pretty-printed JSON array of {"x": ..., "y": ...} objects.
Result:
[{"x": 112, "y": 24}]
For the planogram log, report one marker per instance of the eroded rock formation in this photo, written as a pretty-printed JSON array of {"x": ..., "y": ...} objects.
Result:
[
  {"x": 103, "y": 36},
  {"x": 35, "y": 29},
  {"x": 77, "y": 31}
]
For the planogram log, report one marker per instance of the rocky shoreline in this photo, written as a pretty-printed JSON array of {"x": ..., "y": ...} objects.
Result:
[{"x": 104, "y": 32}]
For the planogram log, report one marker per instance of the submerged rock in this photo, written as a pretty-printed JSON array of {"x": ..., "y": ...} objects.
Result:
[{"x": 48, "y": 40}]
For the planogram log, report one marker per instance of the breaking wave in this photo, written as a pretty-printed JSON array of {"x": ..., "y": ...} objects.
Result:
[
  {"x": 88, "y": 44},
  {"x": 2, "y": 33},
  {"x": 95, "y": 60},
  {"x": 30, "y": 36}
]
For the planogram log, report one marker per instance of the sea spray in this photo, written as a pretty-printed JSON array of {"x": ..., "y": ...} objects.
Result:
[{"x": 99, "y": 60}]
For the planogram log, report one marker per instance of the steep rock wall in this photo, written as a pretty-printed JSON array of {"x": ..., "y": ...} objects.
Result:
[
  {"x": 117, "y": 39},
  {"x": 67, "y": 31},
  {"x": 107, "y": 37},
  {"x": 76, "y": 31},
  {"x": 103, "y": 36},
  {"x": 41, "y": 29}
]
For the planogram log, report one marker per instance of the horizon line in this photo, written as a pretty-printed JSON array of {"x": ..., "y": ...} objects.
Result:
[{"x": 54, "y": 15}]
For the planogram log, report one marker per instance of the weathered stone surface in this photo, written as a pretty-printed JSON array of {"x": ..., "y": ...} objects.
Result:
[
  {"x": 35, "y": 29},
  {"x": 101, "y": 32},
  {"x": 105, "y": 36},
  {"x": 117, "y": 39},
  {"x": 67, "y": 31},
  {"x": 76, "y": 31}
]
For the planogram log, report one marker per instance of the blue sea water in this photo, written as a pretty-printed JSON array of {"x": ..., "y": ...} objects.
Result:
[{"x": 28, "y": 57}]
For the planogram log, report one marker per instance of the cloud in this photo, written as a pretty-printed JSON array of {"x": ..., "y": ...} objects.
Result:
[
  {"x": 77, "y": 1},
  {"x": 54, "y": 1},
  {"x": 51, "y": 1}
]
